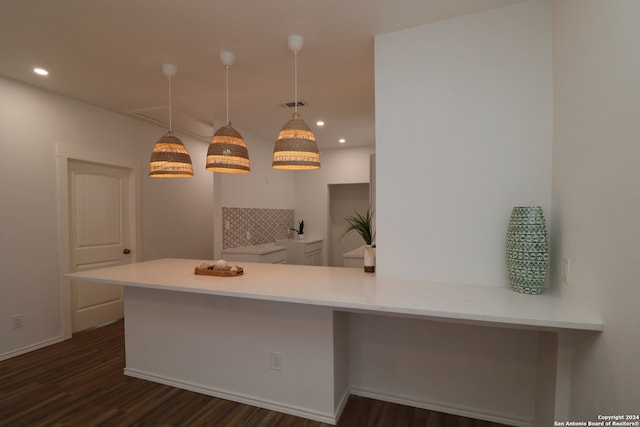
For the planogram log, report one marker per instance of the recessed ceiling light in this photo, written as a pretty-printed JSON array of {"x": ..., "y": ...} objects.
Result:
[
  {"x": 41, "y": 71},
  {"x": 342, "y": 140},
  {"x": 320, "y": 123}
]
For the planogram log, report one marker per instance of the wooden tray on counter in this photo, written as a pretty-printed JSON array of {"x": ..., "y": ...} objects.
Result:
[{"x": 219, "y": 273}]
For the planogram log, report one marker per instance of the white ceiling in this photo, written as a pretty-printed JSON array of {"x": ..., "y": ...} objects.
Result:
[{"x": 109, "y": 53}]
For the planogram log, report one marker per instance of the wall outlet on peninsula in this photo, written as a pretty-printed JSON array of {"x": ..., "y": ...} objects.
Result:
[
  {"x": 17, "y": 321},
  {"x": 275, "y": 361}
]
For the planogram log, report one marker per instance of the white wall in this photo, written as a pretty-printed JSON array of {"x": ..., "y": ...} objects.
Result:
[
  {"x": 264, "y": 187},
  {"x": 177, "y": 215},
  {"x": 463, "y": 134},
  {"x": 339, "y": 166},
  {"x": 596, "y": 196}
]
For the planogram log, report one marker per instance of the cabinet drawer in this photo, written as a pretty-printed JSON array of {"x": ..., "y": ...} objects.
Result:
[
  {"x": 279, "y": 257},
  {"x": 312, "y": 247},
  {"x": 234, "y": 257}
]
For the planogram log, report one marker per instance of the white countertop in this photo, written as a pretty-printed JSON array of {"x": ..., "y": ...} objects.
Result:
[
  {"x": 263, "y": 249},
  {"x": 305, "y": 241},
  {"x": 351, "y": 289}
]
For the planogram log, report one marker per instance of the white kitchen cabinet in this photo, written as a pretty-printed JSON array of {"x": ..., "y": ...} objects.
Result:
[
  {"x": 313, "y": 258},
  {"x": 303, "y": 252},
  {"x": 267, "y": 253}
]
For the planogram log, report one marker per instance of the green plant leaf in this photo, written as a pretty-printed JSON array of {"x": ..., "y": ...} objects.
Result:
[{"x": 360, "y": 223}]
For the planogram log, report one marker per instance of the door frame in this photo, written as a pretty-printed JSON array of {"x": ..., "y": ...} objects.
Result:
[{"x": 64, "y": 153}]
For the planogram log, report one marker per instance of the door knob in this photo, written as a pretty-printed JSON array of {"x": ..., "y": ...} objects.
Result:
[{"x": 126, "y": 251}]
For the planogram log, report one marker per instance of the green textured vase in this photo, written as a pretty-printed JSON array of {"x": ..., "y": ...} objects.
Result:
[{"x": 527, "y": 249}]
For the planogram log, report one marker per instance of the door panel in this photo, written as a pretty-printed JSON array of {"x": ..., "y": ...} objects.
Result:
[
  {"x": 97, "y": 210},
  {"x": 98, "y": 196}
]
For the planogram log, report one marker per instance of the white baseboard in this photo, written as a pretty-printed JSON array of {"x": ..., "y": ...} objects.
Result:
[
  {"x": 342, "y": 404},
  {"x": 441, "y": 407},
  {"x": 328, "y": 418},
  {"x": 31, "y": 347},
  {"x": 241, "y": 398}
]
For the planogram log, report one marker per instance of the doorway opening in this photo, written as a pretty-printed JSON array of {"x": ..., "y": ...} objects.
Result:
[{"x": 343, "y": 200}]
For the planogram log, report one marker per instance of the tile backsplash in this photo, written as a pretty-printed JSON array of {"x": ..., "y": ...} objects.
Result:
[{"x": 254, "y": 226}]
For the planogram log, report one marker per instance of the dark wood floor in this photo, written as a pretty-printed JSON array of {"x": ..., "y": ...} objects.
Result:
[{"x": 80, "y": 383}]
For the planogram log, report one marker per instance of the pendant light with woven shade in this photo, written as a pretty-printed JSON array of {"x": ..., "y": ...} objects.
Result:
[
  {"x": 170, "y": 158},
  {"x": 296, "y": 147},
  {"x": 227, "y": 152}
]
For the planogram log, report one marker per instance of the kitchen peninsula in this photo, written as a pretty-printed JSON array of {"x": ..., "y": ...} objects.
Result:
[{"x": 277, "y": 337}]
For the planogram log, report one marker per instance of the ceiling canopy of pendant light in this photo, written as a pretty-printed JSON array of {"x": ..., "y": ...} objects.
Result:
[
  {"x": 296, "y": 147},
  {"x": 170, "y": 158},
  {"x": 227, "y": 151}
]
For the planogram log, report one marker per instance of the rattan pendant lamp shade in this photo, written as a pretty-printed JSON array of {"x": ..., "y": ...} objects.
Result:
[
  {"x": 227, "y": 152},
  {"x": 296, "y": 147},
  {"x": 170, "y": 158}
]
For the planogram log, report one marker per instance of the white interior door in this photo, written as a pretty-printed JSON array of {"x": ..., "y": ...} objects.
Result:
[{"x": 99, "y": 237}]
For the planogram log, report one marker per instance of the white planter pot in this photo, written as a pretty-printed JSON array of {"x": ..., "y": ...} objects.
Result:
[{"x": 369, "y": 259}]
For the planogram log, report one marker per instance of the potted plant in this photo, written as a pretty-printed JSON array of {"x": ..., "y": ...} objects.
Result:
[
  {"x": 299, "y": 230},
  {"x": 363, "y": 225}
]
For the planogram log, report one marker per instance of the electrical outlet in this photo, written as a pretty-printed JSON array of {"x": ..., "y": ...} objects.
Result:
[
  {"x": 17, "y": 321},
  {"x": 275, "y": 361},
  {"x": 565, "y": 270}
]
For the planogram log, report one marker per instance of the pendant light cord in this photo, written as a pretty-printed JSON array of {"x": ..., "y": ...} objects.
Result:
[
  {"x": 226, "y": 67},
  {"x": 295, "y": 79},
  {"x": 169, "y": 103}
]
